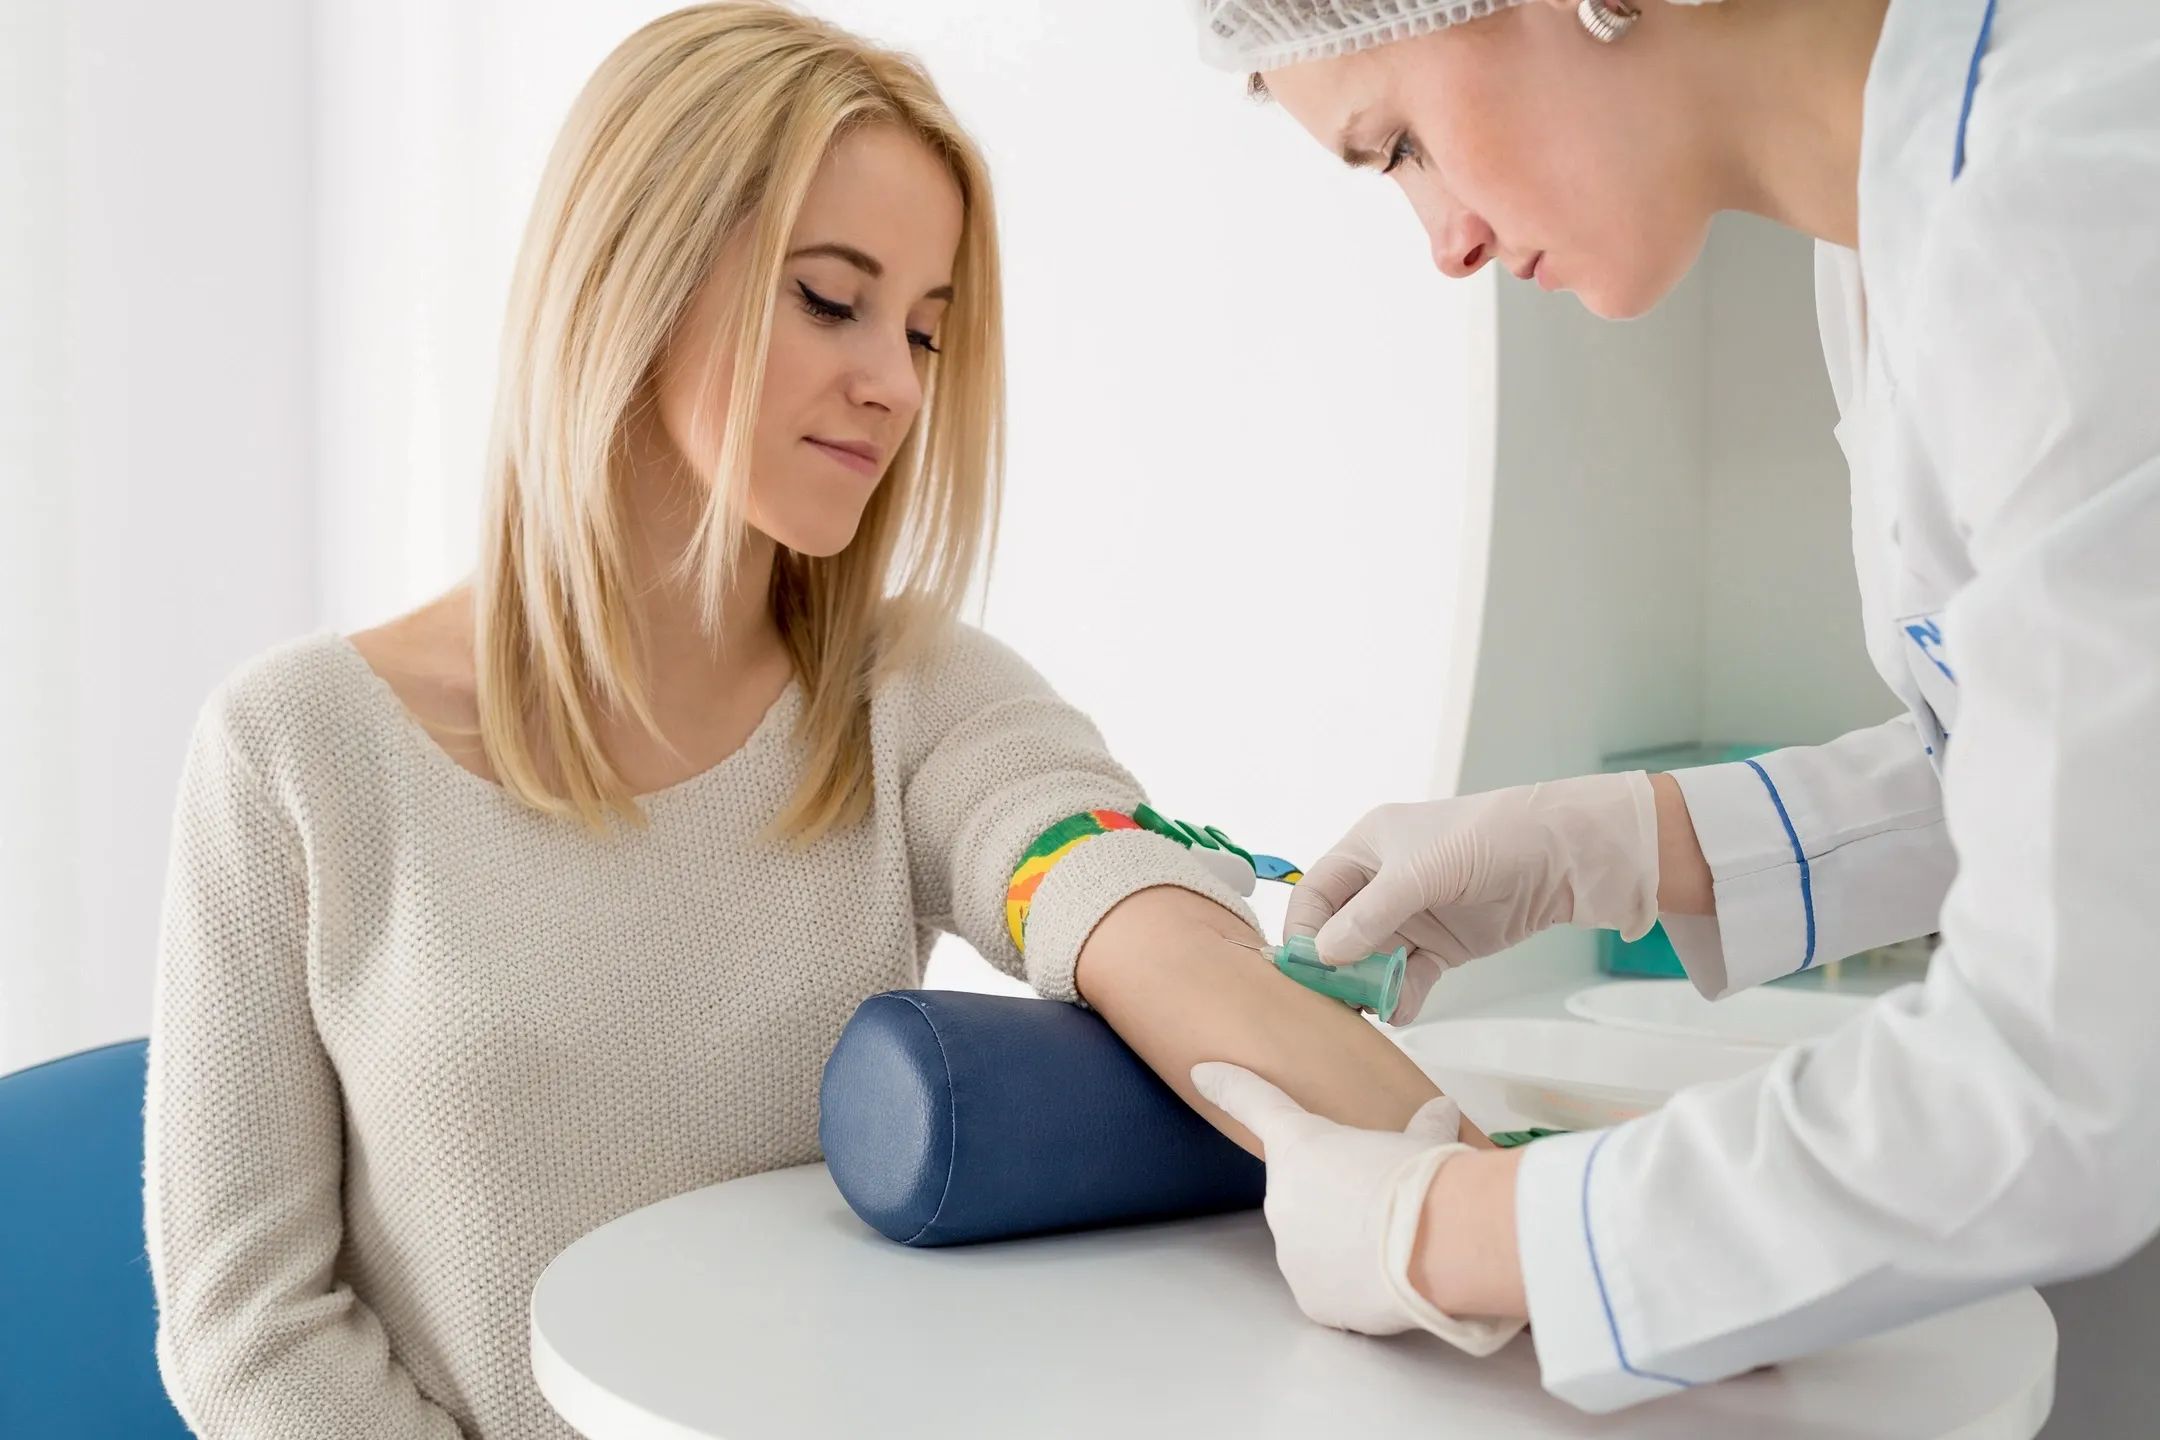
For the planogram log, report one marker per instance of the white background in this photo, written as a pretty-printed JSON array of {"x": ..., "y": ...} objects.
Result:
[{"x": 253, "y": 256}]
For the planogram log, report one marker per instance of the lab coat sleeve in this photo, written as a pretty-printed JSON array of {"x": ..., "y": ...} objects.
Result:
[
  {"x": 244, "y": 1141},
  {"x": 1816, "y": 852},
  {"x": 1002, "y": 758},
  {"x": 1994, "y": 1126}
]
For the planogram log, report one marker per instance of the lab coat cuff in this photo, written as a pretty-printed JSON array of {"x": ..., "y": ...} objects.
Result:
[
  {"x": 1575, "y": 1276},
  {"x": 1765, "y": 924},
  {"x": 1088, "y": 884}
]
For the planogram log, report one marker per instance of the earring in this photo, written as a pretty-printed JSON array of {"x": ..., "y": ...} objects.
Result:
[{"x": 1607, "y": 20}]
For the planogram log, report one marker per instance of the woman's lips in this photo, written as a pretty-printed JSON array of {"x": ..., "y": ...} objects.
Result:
[{"x": 860, "y": 458}]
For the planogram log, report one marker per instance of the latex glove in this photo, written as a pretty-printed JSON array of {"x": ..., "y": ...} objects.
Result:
[
  {"x": 1462, "y": 878},
  {"x": 1345, "y": 1204}
]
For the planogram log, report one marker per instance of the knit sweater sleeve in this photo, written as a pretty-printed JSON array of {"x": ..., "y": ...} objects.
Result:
[
  {"x": 997, "y": 759},
  {"x": 244, "y": 1140}
]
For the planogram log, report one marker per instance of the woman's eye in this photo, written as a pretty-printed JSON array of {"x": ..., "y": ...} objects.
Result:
[
  {"x": 832, "y": 312},
  {"x": 822, "y": 308},
  {"x": 1403, "y": 149}
]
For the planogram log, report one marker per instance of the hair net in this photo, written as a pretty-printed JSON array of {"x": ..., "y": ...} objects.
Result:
[{"x": 1269, "y": 34}]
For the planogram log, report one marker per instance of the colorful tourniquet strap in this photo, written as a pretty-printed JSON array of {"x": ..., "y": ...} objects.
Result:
[{"x": 1061, "y": 839}]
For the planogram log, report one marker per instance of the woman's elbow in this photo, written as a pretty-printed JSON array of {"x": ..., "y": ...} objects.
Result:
[{"x": 189, "y": 1379}]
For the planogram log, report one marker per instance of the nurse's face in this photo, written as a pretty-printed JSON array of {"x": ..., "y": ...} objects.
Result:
[{"x": 1520, "y": 140}]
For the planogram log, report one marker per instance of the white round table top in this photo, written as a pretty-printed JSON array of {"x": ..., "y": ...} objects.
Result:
[{"x": 762, "y": 1308}]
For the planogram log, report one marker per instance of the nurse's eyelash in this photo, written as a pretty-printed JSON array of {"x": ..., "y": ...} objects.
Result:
[
  {"x": 831, "y": 312},
  {"x": 923, "y": 342},
  {"x": 1401, "y": 148}
]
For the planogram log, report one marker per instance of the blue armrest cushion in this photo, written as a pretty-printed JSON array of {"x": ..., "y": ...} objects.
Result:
[{"x": 949, "y": 1117}]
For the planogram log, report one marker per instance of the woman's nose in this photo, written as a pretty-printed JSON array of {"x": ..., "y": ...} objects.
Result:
[{"x": 889, "y": 380}]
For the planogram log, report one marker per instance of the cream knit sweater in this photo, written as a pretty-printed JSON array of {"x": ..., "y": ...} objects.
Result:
[{"x": 413, "y": 1039}]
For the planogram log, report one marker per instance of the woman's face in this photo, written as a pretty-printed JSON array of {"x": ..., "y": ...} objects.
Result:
[
  {"x": 865, "y": 284},
  {"x": 1519, "y": 139}
]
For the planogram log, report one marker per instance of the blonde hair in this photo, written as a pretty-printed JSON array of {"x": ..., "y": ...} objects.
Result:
[{"x": 701, "y": 131}]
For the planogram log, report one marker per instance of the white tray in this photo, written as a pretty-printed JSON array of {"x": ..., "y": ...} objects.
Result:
[
  {"x": 1510, "y": 1073},
  {"x": 1763, "y": 1016}
]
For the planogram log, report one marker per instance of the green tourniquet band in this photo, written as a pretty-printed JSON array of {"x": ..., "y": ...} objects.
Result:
[{"x": 1509, "y": 1139}]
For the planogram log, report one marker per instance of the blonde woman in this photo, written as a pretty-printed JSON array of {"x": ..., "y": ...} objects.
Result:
[{"x": 549, "y": 899}]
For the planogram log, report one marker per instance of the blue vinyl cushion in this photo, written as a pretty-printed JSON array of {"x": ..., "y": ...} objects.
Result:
[
  {"x": 77, "y": 1318},
  {"x": 949, "y": 1117}
]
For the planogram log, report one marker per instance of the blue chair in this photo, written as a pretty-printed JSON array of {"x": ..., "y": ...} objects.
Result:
[{"x": 77, "y": 1319}]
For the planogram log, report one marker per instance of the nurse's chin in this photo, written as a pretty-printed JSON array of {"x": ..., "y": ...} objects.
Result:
[
  {"x": 1617, "y": 302},
  {"x": 1629, "y": 284}
]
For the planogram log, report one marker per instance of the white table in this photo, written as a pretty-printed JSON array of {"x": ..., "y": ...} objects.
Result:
[{"x": 763, "y": 1308}]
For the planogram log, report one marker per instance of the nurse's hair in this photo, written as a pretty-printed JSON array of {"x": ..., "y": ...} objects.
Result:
[{"x": 706, "y": 127}]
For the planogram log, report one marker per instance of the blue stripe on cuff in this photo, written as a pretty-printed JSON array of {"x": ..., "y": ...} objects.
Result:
[
  {"x": 1972, "y": 88},
  {"x": 1807, "y": 880},
  {"x": 1597, "y": 1273}
]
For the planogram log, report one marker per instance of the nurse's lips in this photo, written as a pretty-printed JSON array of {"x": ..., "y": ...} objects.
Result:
[{"x": 1531, "y": 269}]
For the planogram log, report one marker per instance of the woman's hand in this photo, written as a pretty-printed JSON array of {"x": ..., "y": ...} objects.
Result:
[{"x": 1462, "y": 878}]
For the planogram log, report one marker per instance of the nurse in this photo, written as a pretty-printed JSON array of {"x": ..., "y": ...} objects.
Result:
[{"x": 1983, "y": 179}]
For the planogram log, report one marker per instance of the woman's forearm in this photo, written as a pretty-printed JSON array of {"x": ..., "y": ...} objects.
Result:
[{"x": 1175, "y": 975}]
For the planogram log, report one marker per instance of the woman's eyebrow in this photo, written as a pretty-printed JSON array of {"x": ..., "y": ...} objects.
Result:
[{"x": 861, "y": 260}]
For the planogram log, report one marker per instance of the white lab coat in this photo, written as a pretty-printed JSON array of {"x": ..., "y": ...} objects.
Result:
[{"x": 1998, "y": 1125}]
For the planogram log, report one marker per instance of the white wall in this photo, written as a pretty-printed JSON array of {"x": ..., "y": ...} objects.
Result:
[
  {"x": 1241, "y": 419},
  {"x": 158, "y": 497},
  {"x": 1669, "y": 529},
  {"x": 1589, "y": 540},
  {"x": 432, "y": 124},
  {"x": 1782, "y": 632},
  {"x": 263, "y": 249},
  {"x": 1667, "y": 541},
  {"x": 39, "y": 921},
  {"x": 1591, "y": 635}
]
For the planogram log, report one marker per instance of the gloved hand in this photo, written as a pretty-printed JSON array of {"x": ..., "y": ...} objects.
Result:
[
  {"x": 1462, "y": 878},
  {"x": 1345, "y": 1204}
]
